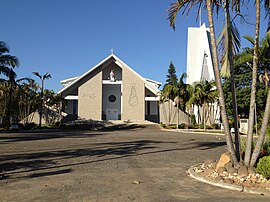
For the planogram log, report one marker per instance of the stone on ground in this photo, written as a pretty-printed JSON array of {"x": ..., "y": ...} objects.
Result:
[{"x": 224, "y": 158}]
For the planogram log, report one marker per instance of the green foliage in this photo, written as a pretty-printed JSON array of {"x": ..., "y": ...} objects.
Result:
[
  {"x": 183, "y": 126},
  {"x": 29, "y": 126},
  {"x": 201, "y": 126},
  {"x": 242, "y": 83},
  {"x": 215, "y": 126},
  {"x": 171, "y": 76},
  {"x": 173, "y": 126},
  {"x": 193, "y": 120},
  {"x": 263, "y": 166}
]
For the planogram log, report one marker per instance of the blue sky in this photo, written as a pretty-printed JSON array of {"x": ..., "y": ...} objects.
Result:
[{"x": 68, "y": 37}]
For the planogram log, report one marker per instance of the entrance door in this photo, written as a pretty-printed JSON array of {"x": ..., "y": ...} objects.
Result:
[{"x": 111, "y": 114}]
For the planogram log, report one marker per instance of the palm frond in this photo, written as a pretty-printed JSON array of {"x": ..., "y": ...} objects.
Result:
[
  {"x": 236, "y": 5},
  {"x": 46, "y": 76},
  {"x": 173, "y": 11},
  {"x": 37, "y": 74},
  {"x": 243, "y": 58},
  {"x": 250, "y": 39},
  {"x": 9, "y": 60},
  {"x": 267, "y": 13},
  {"x": 223, "y": 44},
  {"x": 5, "y": 70},
  {"x": 176, "y": 6},
  {"x": 3, "y": 48},
  {"x": 29, "y": 80}
]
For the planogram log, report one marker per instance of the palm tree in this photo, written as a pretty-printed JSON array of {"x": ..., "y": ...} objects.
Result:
[
  {"x": 229, "y": 42},
  {"x": 22, "y": 95},
  {"x": 253, "y": 88},
  {"x": 183, "y": 92},
  {"x": 187, "y": 5},
  {"x": 181, "y": 95},
  {"x": 7, "y": 64},
  {"x": 28, "y": 102},
  {"x": 42, "y": 78},
  {"x": 204, "y": 93}
]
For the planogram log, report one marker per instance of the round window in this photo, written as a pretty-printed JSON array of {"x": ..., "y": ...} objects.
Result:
[{"x": 112, "y": 98}]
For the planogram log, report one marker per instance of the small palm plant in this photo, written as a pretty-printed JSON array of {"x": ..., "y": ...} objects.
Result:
[{"x": 42, "y": 78}]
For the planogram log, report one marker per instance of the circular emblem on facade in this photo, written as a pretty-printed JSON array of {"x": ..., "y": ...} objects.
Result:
[{"x": 112, "y": 98}]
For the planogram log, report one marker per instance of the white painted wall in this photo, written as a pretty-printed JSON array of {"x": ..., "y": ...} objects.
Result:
[{"x": 198, "y": 44}]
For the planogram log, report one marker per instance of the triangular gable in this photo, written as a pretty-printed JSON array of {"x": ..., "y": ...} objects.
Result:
[{"x": 121, "y": 64}]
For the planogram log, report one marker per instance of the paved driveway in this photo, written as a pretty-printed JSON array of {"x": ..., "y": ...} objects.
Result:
[{"x": 107, "y": 165}]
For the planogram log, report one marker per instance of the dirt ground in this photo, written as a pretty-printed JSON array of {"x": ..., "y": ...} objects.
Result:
[{"x": 140, "y": 164}]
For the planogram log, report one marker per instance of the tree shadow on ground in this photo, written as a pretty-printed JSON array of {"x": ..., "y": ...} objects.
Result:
[
  {"x": 20, "y": 163},
  {"x": 18, "y": 137},
  {"x": 73, "y": 133},
  {"x": 24, "y": 164}
]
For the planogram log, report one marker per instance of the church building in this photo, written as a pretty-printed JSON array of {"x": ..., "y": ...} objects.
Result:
[{"x": 111, "y": 90}]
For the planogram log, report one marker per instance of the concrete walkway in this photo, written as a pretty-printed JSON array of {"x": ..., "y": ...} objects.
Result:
[{"x": 140, "y": 164}]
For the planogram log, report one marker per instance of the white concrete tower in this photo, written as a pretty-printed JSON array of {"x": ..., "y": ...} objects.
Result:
[
  {"x": 199, "y": 57},
  {"x": 200, "y": 64}
]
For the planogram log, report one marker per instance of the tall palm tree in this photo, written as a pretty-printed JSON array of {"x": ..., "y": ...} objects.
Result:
[
  {"x": 20, "y": 91},
  {"x": 42, "y": 78},
  {"x": 29, "y": 101},
  {"x": 181, "y": 95},
  {"x": 187, "y": 5},
  {"x": 229, "y": 42},
  {"x": 251, "y": 160},
  {"x": 253, "y": 88},
  {"x": 7, "y": 64}
]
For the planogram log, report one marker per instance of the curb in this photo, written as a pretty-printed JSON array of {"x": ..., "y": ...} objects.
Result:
[
  {"x": 225, "y": 185},
  {"x": 192, "y": 131}
]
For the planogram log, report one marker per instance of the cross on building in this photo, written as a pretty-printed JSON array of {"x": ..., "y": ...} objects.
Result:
[
  {"x": 112, "y": 51},
  {"x": 199, "y": 15}
]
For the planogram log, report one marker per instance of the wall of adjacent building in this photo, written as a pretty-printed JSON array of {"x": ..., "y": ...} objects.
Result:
[{"x": 168, "y": 114}]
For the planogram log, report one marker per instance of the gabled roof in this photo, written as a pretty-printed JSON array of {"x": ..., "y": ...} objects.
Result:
[
  {"x": 150, "y": 84},
  {"x": 68, "y": 81}
]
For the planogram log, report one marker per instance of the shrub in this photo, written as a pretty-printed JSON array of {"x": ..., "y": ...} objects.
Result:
[
  {"x": 28, "y": 126},
  {"x": 183, "y": 126},
  {"x": 162, "y": 125},
  {"x": 193, "y": 120},
  {"x": 215, "y": 126},
  {"x": 172, "y": 126},
  {"x": 263, "y": 166},
  {"x": 201, "y": 126}
]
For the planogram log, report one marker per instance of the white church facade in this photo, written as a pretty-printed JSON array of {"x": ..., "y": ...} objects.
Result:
[{"x": 111, "y": 90}]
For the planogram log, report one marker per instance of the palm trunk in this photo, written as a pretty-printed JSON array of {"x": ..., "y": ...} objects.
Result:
[
  {"x": 253, "y": 88},
  {"x": 7, "y": 116},
  {"x": 261, "y": 137},
  {"x": 41, "y": 104},
  {"x": 228, "y": 136},
  {"x": 234, "y": 99},
  {"x": 177, "y": 127},
  {"x": 204, "y": 118}
]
